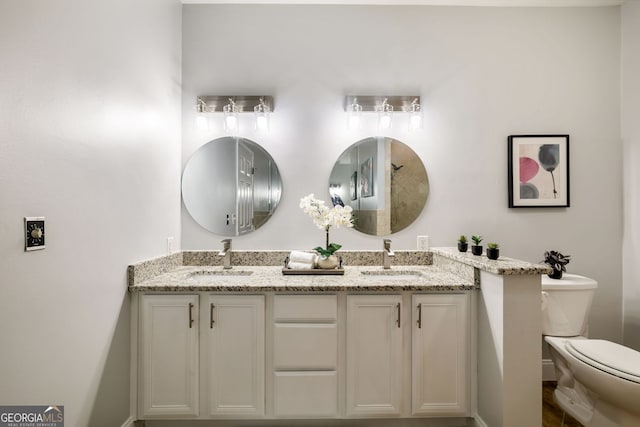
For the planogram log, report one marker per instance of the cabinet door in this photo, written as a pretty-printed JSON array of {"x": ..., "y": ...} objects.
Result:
[
  {"x": 439, "y": 353},
  {"x": 233, "y": 356},
  {"x": 169, "y": 356},
  {"x": 374, "y": 355}
]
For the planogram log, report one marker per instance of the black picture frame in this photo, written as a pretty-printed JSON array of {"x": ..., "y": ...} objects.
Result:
[{"x": 538, "y": 171}]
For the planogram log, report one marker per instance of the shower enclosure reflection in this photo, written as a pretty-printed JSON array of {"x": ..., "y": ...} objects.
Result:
[
  {"x": 231, "y": 186},
  {"x": 385, "y": 183}
]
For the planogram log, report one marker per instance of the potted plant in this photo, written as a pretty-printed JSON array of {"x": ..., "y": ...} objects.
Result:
[
  {"x": 462, "y": 243},
  {"x": 493, "y": 250},
  {"x": 324, "y": 217},
  {"x": 476, "y": 249},
  {"x": 557, "y": 261}
]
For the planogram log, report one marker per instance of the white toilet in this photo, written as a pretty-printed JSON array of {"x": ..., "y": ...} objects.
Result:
[{"x": 598, "y": 380}]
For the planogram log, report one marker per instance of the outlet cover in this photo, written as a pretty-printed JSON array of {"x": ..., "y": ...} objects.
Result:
[{"x": 423, "y": 243}]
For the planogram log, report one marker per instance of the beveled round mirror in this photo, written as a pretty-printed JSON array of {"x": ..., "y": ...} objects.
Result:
[
  {"x": 385, "y": 183},
  {"x": 231, "y": 186}
]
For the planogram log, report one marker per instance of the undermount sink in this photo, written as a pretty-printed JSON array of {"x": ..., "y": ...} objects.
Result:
[
  {"x": 393, "y": 274},
  {"x": 212, "y": 275}
]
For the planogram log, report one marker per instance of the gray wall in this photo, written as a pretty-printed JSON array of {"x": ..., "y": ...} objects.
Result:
[
  {"x": 483, "y": 74},
  {"x": 90, "y": 139},
  {"x": 631, "y": 155}
]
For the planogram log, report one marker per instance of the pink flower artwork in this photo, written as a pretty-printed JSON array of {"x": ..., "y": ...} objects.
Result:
[{"x": 528, "y": 169}]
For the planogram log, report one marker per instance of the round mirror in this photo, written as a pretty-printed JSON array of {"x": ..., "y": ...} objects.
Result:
[
  {"x": 385, "y": 183},
  {"x": 231, "y": 186}
]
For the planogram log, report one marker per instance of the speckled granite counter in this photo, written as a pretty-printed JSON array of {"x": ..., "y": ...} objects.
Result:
[
  {"x": 503, "y": 265},
  {"x": 264, "y": 279},
  {"x": 441, "y": 269}
]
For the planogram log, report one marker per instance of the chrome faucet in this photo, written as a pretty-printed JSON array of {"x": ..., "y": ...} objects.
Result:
[
  {"x": 226, "y": 253},
  {"x": 387, "y": 254}
]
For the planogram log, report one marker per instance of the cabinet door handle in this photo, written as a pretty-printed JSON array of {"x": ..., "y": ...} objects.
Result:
[
  {"x": 211, "y": 315},
  {"x": 419, "y": 315},
  {"x": 190, "y": 315},
  {"x": 398, "y": 319}
]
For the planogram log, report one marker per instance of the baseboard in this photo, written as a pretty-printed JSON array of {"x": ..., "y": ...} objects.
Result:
[
  {"x": 479, "y": 421},
  {"x": 548, "y": 370},
  {"x": 130, "y": 422}
]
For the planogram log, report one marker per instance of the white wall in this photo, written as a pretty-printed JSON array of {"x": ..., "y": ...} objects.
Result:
[
  {"x": 631, "y": 155},
  {"x": 483, "y": 74},
  {"x": 90, "y": 139}
]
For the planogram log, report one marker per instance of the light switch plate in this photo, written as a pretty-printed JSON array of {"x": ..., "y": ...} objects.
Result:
[{"x": 34, "y": 233}]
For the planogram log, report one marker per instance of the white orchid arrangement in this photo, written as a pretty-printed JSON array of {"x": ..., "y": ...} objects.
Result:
[{"x": 325, "y": 218}]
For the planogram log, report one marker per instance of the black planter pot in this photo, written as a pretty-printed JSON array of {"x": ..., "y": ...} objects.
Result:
[
  {"x": 462, "y": 247},
  {"x": 556, "y": 274},
  {"x": 493, "y": 253},
  {"x": 476, "y": 250}
]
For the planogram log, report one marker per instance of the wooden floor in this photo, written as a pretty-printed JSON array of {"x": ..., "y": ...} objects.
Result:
[{"x": 551, "y": 412}]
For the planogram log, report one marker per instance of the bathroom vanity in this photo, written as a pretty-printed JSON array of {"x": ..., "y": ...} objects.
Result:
[{"x": 418, "y": 340}]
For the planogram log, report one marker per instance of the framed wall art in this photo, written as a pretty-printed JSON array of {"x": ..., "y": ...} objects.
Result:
[{"x": 538, "y": 171}]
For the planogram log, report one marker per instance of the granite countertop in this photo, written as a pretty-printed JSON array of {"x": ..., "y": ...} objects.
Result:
[
  {"x": 503, "y": 265},
  {"x": 263, "y": 279}
]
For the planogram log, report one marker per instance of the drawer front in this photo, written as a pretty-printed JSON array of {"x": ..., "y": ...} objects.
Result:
[
  {"x": 305, "y": 308},
  {"x": 305, "y": 346},
  {"x": 305, "y": 394}
]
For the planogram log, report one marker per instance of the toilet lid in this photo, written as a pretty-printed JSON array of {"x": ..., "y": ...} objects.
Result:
[{"x": 608, "y": 356}]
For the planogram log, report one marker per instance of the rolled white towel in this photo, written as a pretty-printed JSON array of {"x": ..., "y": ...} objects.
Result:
[
  {"x": 303, "y": 257},
  {"x": 300, "y": 265}
]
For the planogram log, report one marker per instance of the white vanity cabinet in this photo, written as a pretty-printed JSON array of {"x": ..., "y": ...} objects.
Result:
[
  {"x": 275, "y": 355},
  {"x": 440, "y": 354},
  {"x": 232, "y": 364},
  {"x": 168, "y": 337},
  {"x": 374, "y": 355}
]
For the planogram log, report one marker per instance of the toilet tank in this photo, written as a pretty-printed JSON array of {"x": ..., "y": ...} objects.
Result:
[{"x": 565, "y": 304}]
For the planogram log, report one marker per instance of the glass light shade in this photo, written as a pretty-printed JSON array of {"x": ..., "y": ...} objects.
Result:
[
  {"x": 354, "y": 116},
  {"x": 202, "y": 122},
  {"x": 230, "y": 118},
  {"x": 385, "y": 111},
  {"x": 262, "y": 117},
  {"x": 415, "y": 117}
]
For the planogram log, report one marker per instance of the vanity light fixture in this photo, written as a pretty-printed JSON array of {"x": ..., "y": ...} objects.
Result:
[
  {"x": 384, "y": 106},
  {"x": 232, "y": 106}
]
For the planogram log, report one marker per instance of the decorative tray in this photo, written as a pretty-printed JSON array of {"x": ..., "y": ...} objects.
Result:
[{"x": 313, "y": 271}]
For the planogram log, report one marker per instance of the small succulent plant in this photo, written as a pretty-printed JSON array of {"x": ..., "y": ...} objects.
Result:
[
  {"x": 556, "y": 260},
  {"x": 493, "y": 245},
  {"x": 476, "y": 239},
  {"x": 462, "y": 239}
]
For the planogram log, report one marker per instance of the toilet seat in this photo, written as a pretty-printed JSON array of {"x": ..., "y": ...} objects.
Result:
[{"x": 607, "y": 356}]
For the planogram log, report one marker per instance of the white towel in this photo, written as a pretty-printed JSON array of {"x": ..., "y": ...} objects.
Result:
[
  {"x": 300, "y": 266},
  {"x": 302, "y": 257}
]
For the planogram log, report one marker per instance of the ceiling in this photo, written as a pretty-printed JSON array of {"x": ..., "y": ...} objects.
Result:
[{"x": 502, "y": 3}]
